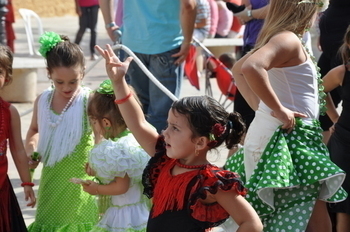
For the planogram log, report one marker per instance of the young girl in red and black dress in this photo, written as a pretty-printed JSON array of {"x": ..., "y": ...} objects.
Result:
[
  {"x": 11, "y": 218},
  {"x": 188, "y": 193}
]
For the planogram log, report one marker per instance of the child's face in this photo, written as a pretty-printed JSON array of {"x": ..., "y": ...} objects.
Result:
[
  {"x": 3, "y": 75},
  {"x": 66, "y": 80},
  {"x": 96, "y": 128},
  {"x": 178, "y": 137}
]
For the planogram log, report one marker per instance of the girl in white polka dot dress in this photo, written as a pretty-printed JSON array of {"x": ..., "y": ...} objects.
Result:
[
  {"x": 117, "y": 160},
  {"x": 286, "y": 166},
  {"x": 61, "y": 134}
]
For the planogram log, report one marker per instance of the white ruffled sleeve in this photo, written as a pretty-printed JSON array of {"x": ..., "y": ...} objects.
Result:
[{"x": 115, "y": 159}]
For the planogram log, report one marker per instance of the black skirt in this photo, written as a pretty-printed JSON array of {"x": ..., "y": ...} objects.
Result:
[
  {"x": 339, "y": 149},
  {"x": 11, "y": 219}
]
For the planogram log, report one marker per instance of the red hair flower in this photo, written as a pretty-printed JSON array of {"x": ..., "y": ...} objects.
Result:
[{"x": 218, "y": 129}]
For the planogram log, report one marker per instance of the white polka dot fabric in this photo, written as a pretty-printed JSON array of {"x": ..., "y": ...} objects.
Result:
[{"x": 293, "y": 172}]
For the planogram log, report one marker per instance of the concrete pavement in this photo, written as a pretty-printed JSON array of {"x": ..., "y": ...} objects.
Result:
[{"x": 68, "y": 25}]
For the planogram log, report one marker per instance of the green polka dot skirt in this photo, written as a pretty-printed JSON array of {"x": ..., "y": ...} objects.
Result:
[
  {"x": 63, "y": 206},
  {"x": 293, "y": 172}
]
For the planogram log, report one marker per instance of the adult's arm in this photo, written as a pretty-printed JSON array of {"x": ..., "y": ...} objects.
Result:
[
  {"x": 107, "y": 9},
  {"x": 187, "y": 20},
  {"x": 255, "y": 13}
]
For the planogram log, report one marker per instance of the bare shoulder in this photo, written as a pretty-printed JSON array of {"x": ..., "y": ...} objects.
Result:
[
  {"x": 335, "y": 75},
  {"x": 288, "y": 49},
  {"x": 339, "y": 70},
  {"x": 282, "y": 49},
  {"x": 286, "y": 40},
  {"x": 13, "y": 110},
  {"x": 37, "y": 99}
]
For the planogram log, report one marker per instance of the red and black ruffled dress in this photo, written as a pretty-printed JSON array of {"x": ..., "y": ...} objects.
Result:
[
  {"x": 11, "y": 218},
  {"x": 176, "y": 199}
]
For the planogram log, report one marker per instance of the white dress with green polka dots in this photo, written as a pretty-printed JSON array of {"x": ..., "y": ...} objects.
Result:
[
  {"x": 293, "y": 171},
  {"x": 286, "y": 173},
  {"x": 63, "y": 206},
  {"x": 127, "y": 212}
]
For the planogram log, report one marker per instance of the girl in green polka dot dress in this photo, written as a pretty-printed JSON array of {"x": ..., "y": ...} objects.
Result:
[
  {"x": 61, "y": 134},
  {"x": 285, "y": 165}
]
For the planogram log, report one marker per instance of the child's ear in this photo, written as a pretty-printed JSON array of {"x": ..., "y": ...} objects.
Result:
[
  {"x": 202, "y": 143},
  {"x": 106, "y": 122}
]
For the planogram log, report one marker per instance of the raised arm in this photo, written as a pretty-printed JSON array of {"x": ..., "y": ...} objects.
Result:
[
  {"x": 19, "y": 155},
  {"x": 130, "y": 109}
]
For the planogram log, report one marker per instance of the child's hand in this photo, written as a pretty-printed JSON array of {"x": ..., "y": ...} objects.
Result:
[
  {"x": 116, "y": 69},
  {"x": 287, "y": 117},
  {"x": 91, "y": 187},
  {"x": 89, "y": 170},
  {"x": 29, "y": 194},
  {"x": 33, "y": 163}
]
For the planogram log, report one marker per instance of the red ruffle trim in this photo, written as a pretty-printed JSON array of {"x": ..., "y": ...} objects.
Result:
[
  {"x": 185, "y": 190},
  {"x": 213, "y": 179}
]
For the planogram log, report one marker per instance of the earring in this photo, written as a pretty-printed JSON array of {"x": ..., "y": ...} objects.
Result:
[{"x": 196, "y": 152}]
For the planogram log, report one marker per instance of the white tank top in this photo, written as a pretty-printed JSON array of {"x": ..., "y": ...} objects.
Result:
[{"x": 296, "y": 88}]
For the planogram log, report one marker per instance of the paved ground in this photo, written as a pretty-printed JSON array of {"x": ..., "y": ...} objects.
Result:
[{"x": 68, "y": 25}]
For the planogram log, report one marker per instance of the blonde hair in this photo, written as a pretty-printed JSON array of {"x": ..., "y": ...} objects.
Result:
[
  {"x": 287, "y": 15},
  {"x": 344, "y": 50}
]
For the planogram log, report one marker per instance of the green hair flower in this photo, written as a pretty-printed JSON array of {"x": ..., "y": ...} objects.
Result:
[
  {"x": 105, "y": 87},
  {"x": 48, "y": 40}
]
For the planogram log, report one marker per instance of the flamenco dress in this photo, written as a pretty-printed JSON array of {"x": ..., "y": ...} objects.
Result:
[
  {"x": 286, "y": 173},
  {"x": 11, "y": 219},
  {"x": 177, "y": 204},
  {"x": 126, "y": 212},
  {"x": 63, "y": 206}
]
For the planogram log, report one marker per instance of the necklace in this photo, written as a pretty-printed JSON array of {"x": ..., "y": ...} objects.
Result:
[
  {"x": 55, "y": 124},
  {"x": 321, "y": 94},
  {"x": 189, "y": 166}
]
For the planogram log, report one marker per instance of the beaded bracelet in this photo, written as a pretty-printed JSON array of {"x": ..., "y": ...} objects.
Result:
[
  {"x": 121, "y": 101},
  {"x": 27, "y": 184}
]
